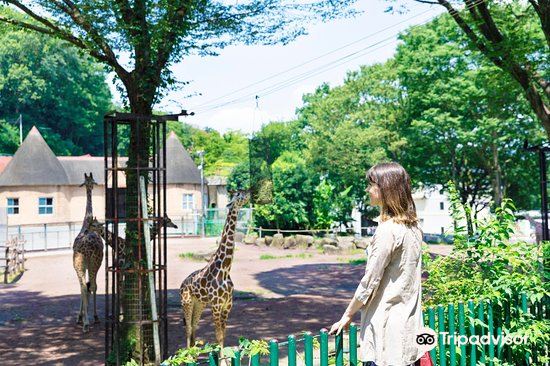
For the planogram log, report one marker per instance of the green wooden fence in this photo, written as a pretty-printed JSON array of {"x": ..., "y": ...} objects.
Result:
[{"x": 466, "y": 320}]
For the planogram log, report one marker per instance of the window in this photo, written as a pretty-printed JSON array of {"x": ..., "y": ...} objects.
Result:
[
  {"x": 441, "y": 206},
  {"x": 188, "y": 203},
  {"x": 45, "y": 205},
  {"x": 13, "y": 206}
]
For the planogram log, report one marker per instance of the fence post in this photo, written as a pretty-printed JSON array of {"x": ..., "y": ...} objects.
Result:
[
  {"x": 273, "y": 353},
  {"x": 471, "y": 315},
  {"x": 452, "y": 346},
  {"x": 291, "y": 350},
  {"x": 7, "y": 259},
  {"x": 441, "y": 326},
  {"x": 431, "y": 320},
  {"x": 45, "y": 237},
  {"x": 462, "y": 333},
  {"x": 491, "y": 331},
  {"x": 308, "y": 349},
  {"x": 339, "y": 347},
  {"x": 524, "y": 310},
  {"x": 255, "y": 360},
  {"x": 353, "y": 344},
  {"x": 213, "y": 358},
  {"x": 480, "y": 316},
  {"x": 236, "y": 361},
  {"x": 324, "y": 347}
]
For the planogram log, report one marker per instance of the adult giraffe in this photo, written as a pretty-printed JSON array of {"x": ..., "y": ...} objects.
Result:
[{"x": 212, "y": 285}]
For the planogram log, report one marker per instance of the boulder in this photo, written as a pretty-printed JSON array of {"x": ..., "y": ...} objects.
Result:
[
  {"x": 290, "y": 242},
  {"x": 331, "y": 249},
  {"x": 268, "y": 239},
  {"x": 260, "y": 241},
  {"x": 329, "y": 241},
  {"x": 304, "y": 241},
  {"x": 239, "y": 237},
  {"x": 346, "y": 242},
  {"x": 250, "y": 239},
  {"x": 361, "y": 243},
  {"x": 278, "y": 241}
]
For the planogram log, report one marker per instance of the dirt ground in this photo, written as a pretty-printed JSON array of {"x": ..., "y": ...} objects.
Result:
[{"x": 274, "y": 298}]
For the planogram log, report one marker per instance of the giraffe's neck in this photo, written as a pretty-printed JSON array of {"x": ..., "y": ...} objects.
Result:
[
  {"x": 89, "y": 212},
  {"x": 224, "y": 254}
]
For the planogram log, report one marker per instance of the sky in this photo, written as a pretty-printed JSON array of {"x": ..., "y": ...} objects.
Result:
[{"x": 223, "y": 88}]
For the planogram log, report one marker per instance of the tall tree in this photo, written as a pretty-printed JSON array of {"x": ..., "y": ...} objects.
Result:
[
  {"x": 34, "y": 70},
  {"x": 155, "y": 34},
  {"x": 502, "y": 32}
]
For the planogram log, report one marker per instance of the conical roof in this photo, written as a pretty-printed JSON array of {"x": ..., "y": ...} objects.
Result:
[
  {"x": 180, "y": 168},
  {"x": 34, "y": 163}
]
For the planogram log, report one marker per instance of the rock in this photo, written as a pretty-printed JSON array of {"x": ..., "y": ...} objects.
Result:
[
  {"x": 304, "y": 241},
  {"x": 260, "y": 241},
  {"x": 278, "y": 241},
  {"x": 331, "y": 249},
  {"x": 329, "y": 241},
  {"x": 268, "y": 239},
  {"x": 361, "y": 243},
  {"x": 346, "y": 242},
  {"x": 250, "y": 239},
  {"x": 290, "y": 242},
  {"x": 239, "y": 237}
]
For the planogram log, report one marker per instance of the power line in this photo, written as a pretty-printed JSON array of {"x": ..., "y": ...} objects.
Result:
[
  {"x": 308, "y": 74},
  {"x": 313, "y": 59}
]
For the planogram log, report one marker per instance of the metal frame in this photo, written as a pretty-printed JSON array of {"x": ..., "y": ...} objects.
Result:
[
  {"x": 115, "y": 315},
  {"x": 541, "y": 150}
]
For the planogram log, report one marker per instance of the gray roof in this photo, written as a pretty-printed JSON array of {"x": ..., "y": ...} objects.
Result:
[
  {"x": 75, "y": 169},
  {"x": 180, "y": 168},
  {"x": 34, "y": 163}
]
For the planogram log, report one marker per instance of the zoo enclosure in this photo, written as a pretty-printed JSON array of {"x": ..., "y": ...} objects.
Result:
[
  {"x": 484, "y": 317},
  {"x": 61, "y": 235}
]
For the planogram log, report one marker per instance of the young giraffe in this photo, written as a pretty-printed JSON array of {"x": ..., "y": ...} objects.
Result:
[
  {"x": 212, "y": 285},
  {"x": 87, "y": 256}
]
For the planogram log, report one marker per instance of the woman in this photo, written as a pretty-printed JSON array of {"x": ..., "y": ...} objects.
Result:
[{"x": 389, "y": 294}]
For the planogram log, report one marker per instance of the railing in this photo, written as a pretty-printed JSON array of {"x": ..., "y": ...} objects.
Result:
[
  {"x": 474, "y": 318},
  {"x": 14, "y": 258}
]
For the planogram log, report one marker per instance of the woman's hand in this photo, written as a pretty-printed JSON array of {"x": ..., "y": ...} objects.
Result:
[{"x": 341, "y": 324}]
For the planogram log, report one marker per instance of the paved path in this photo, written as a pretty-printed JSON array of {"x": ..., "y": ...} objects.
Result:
[{"x": 289, "y": 295}]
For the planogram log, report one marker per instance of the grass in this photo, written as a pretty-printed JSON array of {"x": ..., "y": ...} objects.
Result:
[
  {"x": 354, "y": 262},
  {"x": 191, "y": 256},
  {"x": 300, "y": 256}
]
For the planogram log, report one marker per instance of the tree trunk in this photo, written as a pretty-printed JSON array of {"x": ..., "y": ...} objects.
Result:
[
  {"x": 497, "y": 175},
  {"x": 135, "y": 286}
]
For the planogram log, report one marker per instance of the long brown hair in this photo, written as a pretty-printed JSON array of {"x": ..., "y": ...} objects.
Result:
[{"x": 394, "y": 185}]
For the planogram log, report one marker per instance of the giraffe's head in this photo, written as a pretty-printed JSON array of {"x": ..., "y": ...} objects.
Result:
[
  {"x": 238, "y": 198},
  {"x": 89, "y": 181},
  {"x": 96, "y": 226},
  {"x": 169, "y": 223}
]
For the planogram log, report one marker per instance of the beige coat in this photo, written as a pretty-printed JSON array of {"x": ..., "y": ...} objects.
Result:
[{"x": 391, "y": 291}]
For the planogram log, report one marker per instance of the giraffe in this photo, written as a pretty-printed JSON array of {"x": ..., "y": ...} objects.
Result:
[
  {"x": 212, "y": 285},
  {"x": 109, "y": 238},
  {"x": 87, "y": 256}
]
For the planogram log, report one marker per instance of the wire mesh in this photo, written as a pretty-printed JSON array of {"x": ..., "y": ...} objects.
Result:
[{"x": 132, "y": 330}]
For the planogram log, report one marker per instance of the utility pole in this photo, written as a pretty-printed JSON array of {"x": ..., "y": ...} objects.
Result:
[
  {"x": 203, "y": 208},
  {"x": 20, "y": 129}
]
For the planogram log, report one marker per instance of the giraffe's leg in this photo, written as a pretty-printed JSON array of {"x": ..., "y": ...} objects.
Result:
[
  {"x": 198, "y": 307},
  {"x": 220, "y": 313},
  {"x": 92, "y": 274},
  {"x": 187, "y": 306},
  {"x": 84, "y": 301},
  {"x": 80, "y": 267}
]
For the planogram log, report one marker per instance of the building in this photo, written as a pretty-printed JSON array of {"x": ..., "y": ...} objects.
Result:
[
  {"x": 218, "y": 196},
  {"x": 433, "y": 211},
  {"x": 39, "y": 188}
]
